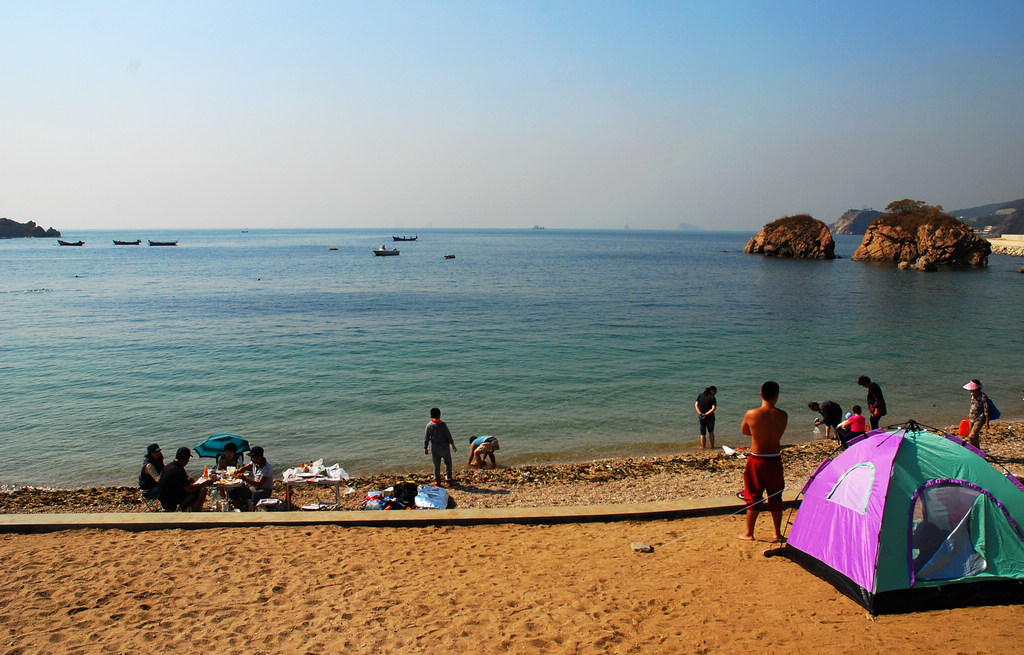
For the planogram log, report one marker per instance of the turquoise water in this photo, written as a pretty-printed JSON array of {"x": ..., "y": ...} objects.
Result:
[{"x": 564, "y": 344}]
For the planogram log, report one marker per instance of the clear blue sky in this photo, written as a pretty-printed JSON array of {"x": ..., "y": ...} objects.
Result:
[{"x": 726, "y": 115}]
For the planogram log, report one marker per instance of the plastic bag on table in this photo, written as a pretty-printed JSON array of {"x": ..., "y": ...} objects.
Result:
[{"x": 335, "y": 472}]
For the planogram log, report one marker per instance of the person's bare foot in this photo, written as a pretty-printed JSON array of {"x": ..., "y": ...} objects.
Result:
[
  {"x": 744, "y": 537},
  {"x": 778, "y": 539}
]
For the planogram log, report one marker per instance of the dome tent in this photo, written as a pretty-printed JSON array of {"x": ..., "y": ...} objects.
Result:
[{"x": 906, "y": 518}]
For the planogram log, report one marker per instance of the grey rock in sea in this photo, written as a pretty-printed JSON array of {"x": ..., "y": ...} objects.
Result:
[
  {"x": 12, "y": 230},
  {"x": 797, "y": 237}
]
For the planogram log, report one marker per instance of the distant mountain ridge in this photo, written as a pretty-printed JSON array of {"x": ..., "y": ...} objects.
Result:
[{"x": 993, "y": 219}]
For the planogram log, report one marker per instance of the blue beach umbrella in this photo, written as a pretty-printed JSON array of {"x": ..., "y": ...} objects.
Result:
[{"x": 214, "y": 444}]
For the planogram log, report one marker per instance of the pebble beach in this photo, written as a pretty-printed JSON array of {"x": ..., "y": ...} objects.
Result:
[{"x": 688, "y": 475}]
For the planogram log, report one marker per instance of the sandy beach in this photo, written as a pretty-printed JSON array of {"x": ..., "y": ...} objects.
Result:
[
  {"x": 489, "y": 589},
  {"x": 570, "y": 588}
]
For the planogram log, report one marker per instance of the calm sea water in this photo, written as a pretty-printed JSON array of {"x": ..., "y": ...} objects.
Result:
[{"x": 565, "y": 344}]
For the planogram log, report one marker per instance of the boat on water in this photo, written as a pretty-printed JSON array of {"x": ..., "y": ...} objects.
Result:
[
  {"x": 384, "y": 252},
  {"x": 162, "y": 243},
  {"x": 405, "y": 238},
  {"x": 127, "y": 243},
  {"x": 70, "y": 243}
]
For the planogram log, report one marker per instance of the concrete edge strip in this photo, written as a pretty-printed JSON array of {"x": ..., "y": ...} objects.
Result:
[{"x": 138, "y": 521}]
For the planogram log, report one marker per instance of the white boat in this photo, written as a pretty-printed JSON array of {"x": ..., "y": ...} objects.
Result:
[{"x": 384, "y": 252}]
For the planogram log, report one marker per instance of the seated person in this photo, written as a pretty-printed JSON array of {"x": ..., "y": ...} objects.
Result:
[
  {"x": 854, "y": 426},
  {"x": 230, "y": 457},
  {"x": 260, "y": 484},
  {"x": 178, "y": 491},
  {"x": 480, "y": 448},
  {"x": 152, "y": 467}
]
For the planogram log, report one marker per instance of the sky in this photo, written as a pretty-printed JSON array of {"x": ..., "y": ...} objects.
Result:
[{"x": 576, "y": 115}]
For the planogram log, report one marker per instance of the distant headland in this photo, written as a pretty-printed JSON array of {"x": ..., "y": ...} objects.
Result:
[{"x": 14, "y": 230}]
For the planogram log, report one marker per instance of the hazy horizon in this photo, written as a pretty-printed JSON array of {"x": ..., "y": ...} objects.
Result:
[{"x": 574, "y": 115}]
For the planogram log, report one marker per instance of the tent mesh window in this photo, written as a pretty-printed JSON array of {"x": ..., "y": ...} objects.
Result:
[
  {"x": 853, "y": 490},
  {"x": 942, "y": 544}
]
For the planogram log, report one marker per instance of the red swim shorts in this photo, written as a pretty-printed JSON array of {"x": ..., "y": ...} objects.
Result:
[{"x": 763, "y": 474}]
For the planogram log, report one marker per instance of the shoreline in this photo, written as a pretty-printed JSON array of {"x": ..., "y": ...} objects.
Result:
[{"x": 681, "y": 476}]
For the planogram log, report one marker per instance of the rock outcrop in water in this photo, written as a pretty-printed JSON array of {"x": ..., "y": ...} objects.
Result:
[
  {"x": 798, "y": 237},
  {"x": 12, "y": 229},
  {"x": 921, "y": 237},
  {"x": 854, "y": 221}
]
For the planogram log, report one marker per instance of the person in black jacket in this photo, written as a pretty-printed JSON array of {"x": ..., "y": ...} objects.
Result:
[
  {"x": 152, "y": 467},
  {"x": 831, "y": 416}
]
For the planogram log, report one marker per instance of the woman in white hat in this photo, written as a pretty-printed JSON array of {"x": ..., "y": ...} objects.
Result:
[{"x": 978, "y": 416}]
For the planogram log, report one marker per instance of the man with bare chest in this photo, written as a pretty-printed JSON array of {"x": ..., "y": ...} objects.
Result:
[{"x": 765, "y": 426}]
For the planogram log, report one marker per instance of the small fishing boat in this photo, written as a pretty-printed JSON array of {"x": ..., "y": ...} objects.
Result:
[
  {"x": 449, "y": 256},
  {"x": 162, "y": 243},
  {"x": 412, "y": 238},
  {"x": 70, "y": 243},
  {"x": 127, "y": 243},
  {"x": 384, "y": 252}
]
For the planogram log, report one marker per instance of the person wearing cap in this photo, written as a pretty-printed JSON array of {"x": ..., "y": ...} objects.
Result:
[
  {"x": 152, "y": 467},
  {"x": 261, "y": 484},
  {"x": 978, "y": 414},
  {"x": 178, "y": 491}
]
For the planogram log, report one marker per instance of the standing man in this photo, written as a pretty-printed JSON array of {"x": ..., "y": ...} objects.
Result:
[
  {"x": 436, "y": 443},
  {"x": 261, "y": 484},
  {"x": 765, "y": 426},
  {"x": 978, "y": 415},
  {"x": 705, "y": 407},
  {"x": 831, "y": 416},
  {"x": 876, "y": 402},
  {"x": 177, "y": 489}
]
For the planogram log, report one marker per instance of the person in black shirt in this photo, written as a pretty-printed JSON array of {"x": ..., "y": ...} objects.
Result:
[
  {"x": 876, "y": 402},
  {"x": 177, "y": 489},
  {"x": 705, "y": 407},
  {"x": 831, "y": 416},
  {"x": 152, "y": 467}
]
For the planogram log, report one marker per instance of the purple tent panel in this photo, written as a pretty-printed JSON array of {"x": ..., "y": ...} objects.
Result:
[{"x": 842, "y": 509}]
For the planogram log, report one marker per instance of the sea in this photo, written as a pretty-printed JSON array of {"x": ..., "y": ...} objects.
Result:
[{"x": 567, "y": 345}]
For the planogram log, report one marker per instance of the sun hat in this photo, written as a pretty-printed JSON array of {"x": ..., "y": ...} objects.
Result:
[{"x": 973, "y": 385}]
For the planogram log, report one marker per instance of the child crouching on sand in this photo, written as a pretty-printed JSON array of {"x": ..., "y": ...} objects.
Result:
[{"x": 480, "y": 448}]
